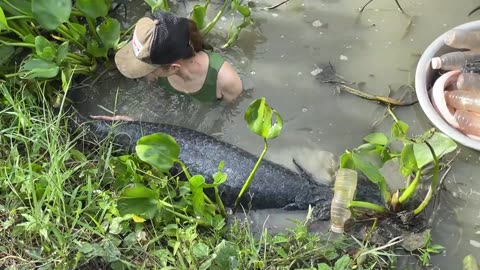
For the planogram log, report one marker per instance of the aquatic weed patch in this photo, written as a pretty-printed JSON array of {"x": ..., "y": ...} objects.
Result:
[{"x": 66, "y": 207}]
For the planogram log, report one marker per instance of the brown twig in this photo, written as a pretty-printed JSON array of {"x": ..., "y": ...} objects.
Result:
[
  {"x": 381, "y": 99},
  {"x": 396, "y": 1},
  {"x": 364, "y": 6},
  {"x": 277, "y": 5},
  {"x": 474, "y": 10}
]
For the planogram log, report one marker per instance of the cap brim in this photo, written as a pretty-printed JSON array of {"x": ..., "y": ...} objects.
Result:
[{"x": 129, "y": 65}]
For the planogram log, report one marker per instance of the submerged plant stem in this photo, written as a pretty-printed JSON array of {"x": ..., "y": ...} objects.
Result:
[
  {"x": 127, "y": 31},
  {"x": 62, "y": 29},
  {"x": 389, "y": 110},
  {"x": 18, "y": 44},
  {"x": 219, "y": 202},
  {"x": 209, "y": 27},
  {"x": 277, "y": 5},
  {"x": 250, "y": 177},
  {"x": 17, "y": 29},
  {"x": 91, "y": 25},
  {"x": 199, "y": 221},
  {"x": 367, "y": 205},
  {"x": 396, "y": 1},
  {"x": 408, "y": 193},
  {"x": 433, "y": 184}
]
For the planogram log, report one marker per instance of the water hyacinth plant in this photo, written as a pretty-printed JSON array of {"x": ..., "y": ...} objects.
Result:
[
  {"x": 56, "y": 39},
  {"x": 266, "y": 122},
  {"x": 414, "y": 157}
]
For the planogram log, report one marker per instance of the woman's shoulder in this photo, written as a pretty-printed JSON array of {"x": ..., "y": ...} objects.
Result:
[{"x": 229, "y": 82}]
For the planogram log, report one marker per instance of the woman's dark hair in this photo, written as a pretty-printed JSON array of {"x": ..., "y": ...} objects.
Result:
[{"x": 196, "y": 39}]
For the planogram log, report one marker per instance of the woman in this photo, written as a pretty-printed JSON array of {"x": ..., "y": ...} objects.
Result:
[{"x": 170, "y": 48}]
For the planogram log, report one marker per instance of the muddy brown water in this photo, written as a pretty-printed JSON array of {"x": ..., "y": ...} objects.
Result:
[{"x": 276, "y": 56}]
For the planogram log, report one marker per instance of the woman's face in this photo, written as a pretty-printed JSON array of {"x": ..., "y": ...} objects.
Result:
[{"x": 162, "y": 71}]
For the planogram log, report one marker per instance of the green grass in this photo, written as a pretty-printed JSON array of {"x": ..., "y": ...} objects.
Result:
[{"x": 58, "y": 210}]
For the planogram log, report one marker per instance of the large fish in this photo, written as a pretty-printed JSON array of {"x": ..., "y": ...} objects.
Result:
[{"x": 273, "y": 186}]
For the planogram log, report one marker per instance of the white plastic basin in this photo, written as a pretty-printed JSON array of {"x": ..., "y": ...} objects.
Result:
[{"x": 424, "y": 79}]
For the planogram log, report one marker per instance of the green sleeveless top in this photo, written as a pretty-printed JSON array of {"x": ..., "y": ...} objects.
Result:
[{"x": 208, "y": 92}]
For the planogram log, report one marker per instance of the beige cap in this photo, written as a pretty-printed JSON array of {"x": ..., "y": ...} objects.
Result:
[
  {"x": 160, "y": 40},
  {"x": 133, "y": 59}
]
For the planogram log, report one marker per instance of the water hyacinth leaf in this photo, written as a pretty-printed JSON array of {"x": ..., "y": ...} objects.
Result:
[
  {"x": 17, "y": 7},
  {"x": 6, "y": 54},
  {"x": 342, "y": 263},
  {"x": 435, "y": 249},
  {"x": 244, "y": 10},
  {"x": 399, "y": 129},
  {"x": 92, "y": 8},
  {"x": 198, "y": 200},
  {"x": 441, "y": 145},
  {"x": 110, "y": 252},
  {"x": 44, "y": 49},
  {"x": 234, "y": 5},
  {"x": 137, "y": 219},
  {"x": 125, "y": 171},
  {"x": 158, "y": 4},
  {"x": 96, "y": 50},
  {"x": 109, "y": 33},
  {"x": 160, "y": 150},
  {"x": 204, "y": 266},
  {"x": 108, "y": 3},
  {"x": 366, "y": 147},
  {"x": 3, "y": 20},
  {"x": 200, "y": 250},
  {"x": 139, "y": 201},
  {"x": 139, "y": 191},
  {"x": 30, "y": 39},
  {"x": 469, "y": 263},
  {"x": 324, "y": 266},
  {"x": 376, "y": 138},
  {"x": 77, "y": 31},
  {"x": 62, "y": 52},
  {"x": 51, "y": 13},
  {"x": 226, "y": 256},
  {"x": 84, "y": 247},
  {"x": 385, "y": 154},
  {"x": 254, "y": 116},
  {"x": 198, "y": 15},
  {"x": 221, "y": 165},
  {"x": 408, "y": 163},
  {"x": 373, "y": 174},
  {"x": 259, "y": 119},
  {"x": 346, "y": 161},
  {"x": 38, "y": 68},
  {"x": 219, "y": 178},
  {"x": 116, "y": 224}
]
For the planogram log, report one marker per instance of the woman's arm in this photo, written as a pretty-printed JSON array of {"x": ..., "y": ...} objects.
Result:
[{"x": 229, "y": 85}]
